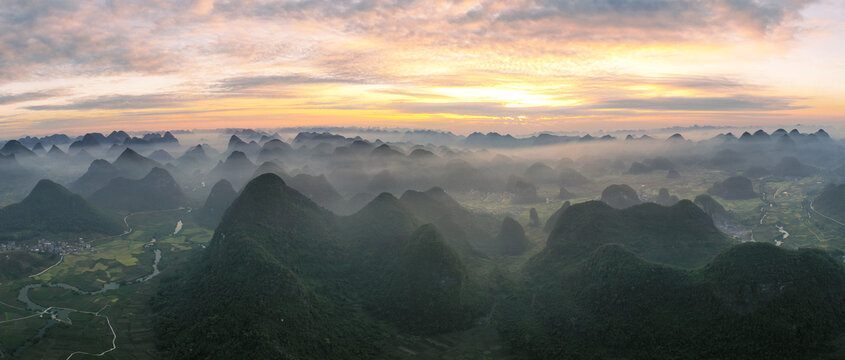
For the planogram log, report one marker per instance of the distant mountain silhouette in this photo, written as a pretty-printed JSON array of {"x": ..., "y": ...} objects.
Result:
[
  {"x": 156, "y": 191},
  {"x": 511, "y": 237},
  {"x": 523, "y": 191},
  {"x": 465, "y": 231},
  {"x": 56, "y": 153},
  {"x": 270, "y": 167},
  {"x": 194, "y": 158},
  {"x": 222, "y": 195},
  {"x": 274, "y": 149},
  {"x": 162, "y": 156},
  {"x": 13, "y": 147},
  {"x": 790, "y": 166},
  {"x": 237, "y": 169},
  {"x": 316, "y": 188},
  {"x": 665, "y": 199},
  {"x": 620, "y": 196},
  {"x": 733, "y": 188},
  {"x": 129, "y": 165},
  {"x": 552, "y": 220},
  {"x": 89, "y": 141}
]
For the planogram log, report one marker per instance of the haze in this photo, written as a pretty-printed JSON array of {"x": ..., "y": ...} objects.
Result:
[{"x": 421, "y": 180}]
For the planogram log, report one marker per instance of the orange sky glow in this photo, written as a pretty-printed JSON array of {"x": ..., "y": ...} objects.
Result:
[{"x": 517, "y": 66}]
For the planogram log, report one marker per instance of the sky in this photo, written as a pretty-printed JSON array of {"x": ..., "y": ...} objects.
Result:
[{"x": 512, "y": 66}]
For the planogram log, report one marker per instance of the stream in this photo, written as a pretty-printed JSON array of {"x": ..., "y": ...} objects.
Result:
[
  {"x": 23, "y": 295},
  {"x": 62, "y": 314},
  {"x": 178, "y": 227},
  {"x": 784, "y": 234}
]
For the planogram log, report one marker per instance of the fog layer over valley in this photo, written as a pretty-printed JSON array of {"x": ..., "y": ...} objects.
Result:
[{"x": 392, "y": 244}]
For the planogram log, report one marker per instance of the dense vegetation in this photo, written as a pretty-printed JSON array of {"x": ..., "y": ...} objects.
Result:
[
  {"x": 294, "y": 258},
  {"x": 465, "y": 231},
  {"x": 129, "y": 164},
  {"x": 50, "y": 208},
  {"x": 680, "y": 235},
  {"x": 221, "y": 196},
  {"x": 620, "y": 196},
  {"x": 425, "y": 288},
  {"x": 752, "y": 301},
  {"x": 314, "y": 256},
  {"x": 733, "y": 188},
  {"x": 156, "y": 191},
  {"x": 18, "y": 264},
  {"x": 831, "y": 201},
  {"x": 552, "y": 220},
  {"x": 511, "y": 237}
]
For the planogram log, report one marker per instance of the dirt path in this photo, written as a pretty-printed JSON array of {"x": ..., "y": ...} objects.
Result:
[
  {"x": 98, "y": 313},
  {"x": 113, "y": 340},
  {"x": 47, "y": 269},
  {"x": 823, "y": 215}
]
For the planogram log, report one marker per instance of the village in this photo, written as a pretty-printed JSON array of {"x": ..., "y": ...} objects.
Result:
[{"x": 44, "y": 246}]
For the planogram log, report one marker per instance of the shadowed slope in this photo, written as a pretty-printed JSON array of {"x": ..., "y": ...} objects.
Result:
[{"x": 50, "y": 208}]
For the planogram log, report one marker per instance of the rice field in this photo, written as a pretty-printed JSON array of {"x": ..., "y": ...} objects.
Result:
[{"x": 121, "y": 260}]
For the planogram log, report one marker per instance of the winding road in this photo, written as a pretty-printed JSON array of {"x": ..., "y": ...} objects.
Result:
[
  {"x": 823, "y": 215},
  {"x": 113, "y": 340},
  {"x": 48, "y": 269},
  {"x": 24, "y": 293}
]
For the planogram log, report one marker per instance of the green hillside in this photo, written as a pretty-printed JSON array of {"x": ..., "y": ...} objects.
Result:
[
  {"x": 620, "y": 196},
  {"x": 156, "y": 191},
  {"x": 50, "y": 208},
  {"x": 466, "y": 232},
  {"x": 552, "y": 220},
  {"x": 831, "y": 201},
  {"x": 319, "y": 286},
  {"x": 222, "y": 195},
  {"x": 19, "y": 264},
  {"x": 511, "y": 237},
  {"x": 680, "y": 235},
  {"x": 275, "y": 245},
  {"x": 752, "y": 301},
  {"x": 426, "y": 285}
]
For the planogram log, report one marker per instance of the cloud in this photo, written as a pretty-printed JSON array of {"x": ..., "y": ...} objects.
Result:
[
  {"x": 674, "y": 104},
  {"x": 43, "y": 38},
  {"x": 29, "y": 96},
  {"x": 252, "y": 82},
  {"x": 655, "y": 19},
  {"x": 738, "y": 103},
  {"x": 117, "y": 102},
  {"x": 50, "y": 38},
  {"x": 603, "y": 53}
]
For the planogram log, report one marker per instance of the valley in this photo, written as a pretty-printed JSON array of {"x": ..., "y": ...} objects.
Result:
[
  {"x": 96, "y": 303},
  {"x": 327, "y": 246}
]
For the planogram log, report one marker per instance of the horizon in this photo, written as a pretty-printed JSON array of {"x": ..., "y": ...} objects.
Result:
[
  {"x": 694, "y": 132},
  {"x": 518, "y": 67},
  {"x": 406, "y": 179}
]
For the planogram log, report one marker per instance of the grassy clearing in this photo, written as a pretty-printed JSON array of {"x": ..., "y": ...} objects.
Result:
[
  {"x": 16, "y": 333},
  {"x": 87, "y": 333}
]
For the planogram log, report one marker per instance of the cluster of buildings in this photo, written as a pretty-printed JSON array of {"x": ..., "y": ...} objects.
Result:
[{"x": 49, "y": 247}]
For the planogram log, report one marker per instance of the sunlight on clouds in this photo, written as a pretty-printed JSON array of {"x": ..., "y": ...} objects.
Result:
[
  {"x": 509, "y": 96},
  {"x": 510, "y": 65}
]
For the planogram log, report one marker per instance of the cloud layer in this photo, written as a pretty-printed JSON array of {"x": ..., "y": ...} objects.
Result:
[{"x": 385, "y": 59}]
